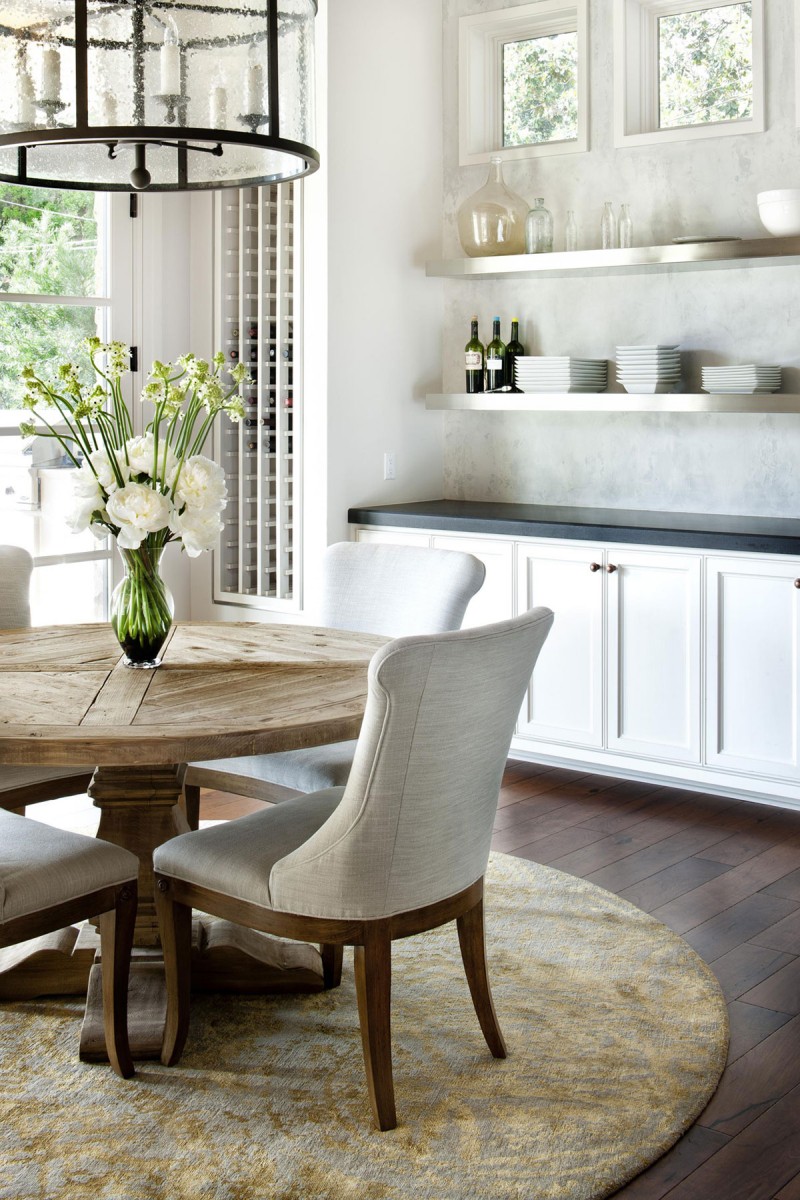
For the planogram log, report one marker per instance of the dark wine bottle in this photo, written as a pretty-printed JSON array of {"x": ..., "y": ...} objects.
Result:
[
  {"x": 514, "y": 349},
  {"x": 495, "y": 359},
  {"x": 233, "y": 354},
  {"x": 474, "y": 360}
]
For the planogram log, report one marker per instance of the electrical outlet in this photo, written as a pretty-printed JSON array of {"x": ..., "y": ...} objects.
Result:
[{"x": 388, "y": 465}]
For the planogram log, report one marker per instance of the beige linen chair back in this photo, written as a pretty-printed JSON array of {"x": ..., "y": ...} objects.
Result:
[
  {"x": 415, "y": 822},
  {"x": 16, "y": 566},
  {"x": 396, "y": 590}
]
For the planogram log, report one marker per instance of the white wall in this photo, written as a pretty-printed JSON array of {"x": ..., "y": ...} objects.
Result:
[
  {"x": 384, "y": 220},
  {"x": 738, "y": 464}
]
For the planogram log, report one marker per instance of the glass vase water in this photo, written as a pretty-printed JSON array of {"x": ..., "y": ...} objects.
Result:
[{"x": 142, "y": 607}]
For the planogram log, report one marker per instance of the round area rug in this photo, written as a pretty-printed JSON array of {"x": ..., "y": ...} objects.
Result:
[{"x": 617, "y": 1035}]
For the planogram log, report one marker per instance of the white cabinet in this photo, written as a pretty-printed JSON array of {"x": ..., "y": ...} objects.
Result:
[
  {"x": 677, "y": 666},
  {"x": 640, "y": 666},
  {"x": 753, "y": 637},
  {"x": 653, "y": 646},
  {"x": 565, "y": 700}
]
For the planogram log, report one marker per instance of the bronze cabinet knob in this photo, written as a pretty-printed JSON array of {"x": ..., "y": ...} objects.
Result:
[
  {"x": 797, "y": 583},
  {"x": 611, "y": 568},
  {"x": 596, "y": 567}
]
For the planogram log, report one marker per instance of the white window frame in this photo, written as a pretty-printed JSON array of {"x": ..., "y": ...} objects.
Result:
[
  {"x": 115, "y": 304},
  {"x": 480, "y": 101},
  {"x": 636, "y": 79}
]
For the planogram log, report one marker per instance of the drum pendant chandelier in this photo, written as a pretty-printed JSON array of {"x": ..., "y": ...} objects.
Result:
[{"x": 169, "y": 95}]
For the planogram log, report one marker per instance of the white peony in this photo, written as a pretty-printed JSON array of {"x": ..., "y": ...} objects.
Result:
[
  {"x": 89, "y": 498},
  {"x": 104, "y": 470},
  {"x": 138, "y": 510},
  {"x": 140, "y": 456},
  {"x": 201, "y": 484},
  {"x": 198, "y": 528}
]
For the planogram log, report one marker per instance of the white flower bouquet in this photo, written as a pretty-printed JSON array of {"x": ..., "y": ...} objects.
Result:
[{"x": 144, "y": 491}]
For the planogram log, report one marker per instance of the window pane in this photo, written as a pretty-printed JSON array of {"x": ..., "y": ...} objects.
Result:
[
  {"x": 540, "y": 90},
  {"x": 705, "y": 66},
  {"x": 70, "y": 593},
  {"x": 44, "y": 335},
  {"x": 35, "y": 496},
  {"x": 51, "y": 242}
]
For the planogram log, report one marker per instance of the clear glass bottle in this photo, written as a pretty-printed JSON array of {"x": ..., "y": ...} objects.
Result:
[
  {"x": 492, "y": 221},
  {"x": 570, "y": 232},
  {"x": 625, "y": 227},
  {"x": 608, "y": 227},
  {"x": 539, "y": 229}
]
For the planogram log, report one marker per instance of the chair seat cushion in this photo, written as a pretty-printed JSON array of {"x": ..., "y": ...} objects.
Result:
[
  {"x": 237, "y": 857},
  {"x": 309, "y": 770},
  {"x": 41, "y": 866},
  {"x": 12, "y": 778}
]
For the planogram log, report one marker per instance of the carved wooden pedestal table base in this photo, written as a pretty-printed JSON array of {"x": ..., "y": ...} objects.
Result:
[{"x": 224, "y": 690}]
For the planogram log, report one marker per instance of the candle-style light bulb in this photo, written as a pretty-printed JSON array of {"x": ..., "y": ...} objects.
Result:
[
  {"x": 170, "y": 64},
  {"x": 254, "y": 89},
  {"x": 218, "y": 108},
  {"x": 26, "y": 98},
  {"x": 51, "y": 76},
  {"x": 108, "y": 109}
]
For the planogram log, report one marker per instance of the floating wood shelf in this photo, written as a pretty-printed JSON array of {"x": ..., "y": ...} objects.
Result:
[
  {"x": 601, "y": 402},
  {"x": 697, "y": 256}
]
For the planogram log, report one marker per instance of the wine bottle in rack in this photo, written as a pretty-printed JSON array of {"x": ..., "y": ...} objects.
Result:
[
  {"x": 253, "y": 331},
  {"x": 252, "y": 445},
  {"x": 254, "y": 354},
  {"x": 495, "y": 359},
  {"x": 233, "y": 355},
  {"x": 235, "y": 333},
  {"x": 474, "y": 360}
]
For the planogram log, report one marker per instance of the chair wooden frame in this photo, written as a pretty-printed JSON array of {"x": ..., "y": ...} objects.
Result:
[
  {"x": 15, "y": 799},
  {"x": 117, "y": 906},
  {"x": 372, "y": 940}
]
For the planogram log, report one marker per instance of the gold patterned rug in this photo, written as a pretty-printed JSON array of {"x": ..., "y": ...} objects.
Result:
[{"x": 617, "y": 1035}]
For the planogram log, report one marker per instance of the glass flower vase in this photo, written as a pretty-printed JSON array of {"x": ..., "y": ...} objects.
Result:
[
  {"x": 142, "y": 607},
  {"x": 492, "y": 221}
]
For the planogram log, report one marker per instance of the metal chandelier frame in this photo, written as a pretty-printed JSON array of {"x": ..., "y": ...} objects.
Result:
[{"x": 185, "y": 139}]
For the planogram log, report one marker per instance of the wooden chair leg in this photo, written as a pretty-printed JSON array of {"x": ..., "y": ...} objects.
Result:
[
  {"x": 191, "y": 804},
  {"x": 332, "y": 958},
  {"x": 175, "y": 925},
  {"x": 472, "y": 939},
  {"x": 373, "y": 971},
  {"x": 116, "y": 943}
]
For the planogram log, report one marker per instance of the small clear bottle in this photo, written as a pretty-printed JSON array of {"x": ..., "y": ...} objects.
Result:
[
  {"x": 625, "y": 227},
  {"x": 608, "y": 227},
  {"x": 570, "y": 232},
  {"x": 539, "y": 229}
]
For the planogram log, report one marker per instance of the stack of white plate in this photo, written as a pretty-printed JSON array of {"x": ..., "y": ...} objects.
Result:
[
  {"x": 648, "y": 369},
  {"x": 746, "y": 380},
  {"x": 539, "y": 373}
]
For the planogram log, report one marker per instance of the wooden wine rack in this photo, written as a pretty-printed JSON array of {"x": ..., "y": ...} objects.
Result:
[{"x": 257, "y": 321}]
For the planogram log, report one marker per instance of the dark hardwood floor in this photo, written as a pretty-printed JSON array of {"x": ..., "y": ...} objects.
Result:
[{"x": 723, "y": 873}]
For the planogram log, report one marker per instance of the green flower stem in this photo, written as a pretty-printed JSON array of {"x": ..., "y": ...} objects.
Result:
[{"x": 141, "y": 611}]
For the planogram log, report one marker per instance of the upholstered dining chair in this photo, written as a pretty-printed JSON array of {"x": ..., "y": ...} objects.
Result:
[
  {"x": 50, "y": 878},
  {"x": 27, "y": 785},
  {"x": 401, "y": 849},
  {"x": 370, "y": 588}
]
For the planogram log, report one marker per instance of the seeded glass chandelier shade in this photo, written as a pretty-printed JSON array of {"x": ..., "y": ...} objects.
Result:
[{"x": 172, "y": 95}]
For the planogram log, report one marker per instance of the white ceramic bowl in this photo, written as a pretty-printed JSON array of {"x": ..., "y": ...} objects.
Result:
[{"x": 780, "y": 211}]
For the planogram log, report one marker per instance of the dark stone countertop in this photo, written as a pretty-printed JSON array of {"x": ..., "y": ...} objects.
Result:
[{"x": 765, "y": 535}]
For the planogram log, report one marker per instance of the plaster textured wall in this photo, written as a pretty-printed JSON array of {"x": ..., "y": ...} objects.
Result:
[{"x": 742, "y": 464}]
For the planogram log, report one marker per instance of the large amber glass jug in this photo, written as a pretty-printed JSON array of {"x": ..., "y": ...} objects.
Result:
[{"x": 492, "y": 221}]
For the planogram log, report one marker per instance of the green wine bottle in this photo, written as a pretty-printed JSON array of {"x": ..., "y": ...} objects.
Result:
[
  {"x": 513, "y": 350},
  {"x": 495, "y": 359},
  {"x": 474, "y": 359}
]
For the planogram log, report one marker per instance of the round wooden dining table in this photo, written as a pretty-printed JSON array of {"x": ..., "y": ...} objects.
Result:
[{"x": 224, "y": 690}]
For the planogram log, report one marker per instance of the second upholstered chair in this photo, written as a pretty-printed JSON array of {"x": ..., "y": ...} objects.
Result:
[
  {"x": 401, "y": 849},
  {"x": 27, "y": 785},
  {"x": 50, "y": 878},
  {"x": 370, "y": 588}
]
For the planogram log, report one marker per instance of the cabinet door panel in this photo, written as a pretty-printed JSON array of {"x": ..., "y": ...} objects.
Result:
[
  {"x": 393, "y": 537},
  {"x": 752, "y": 711},
  {"x": 564, "y": 701},
  {"x": 654, "y": 654},
  {"x": 495, "y": 600}
]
